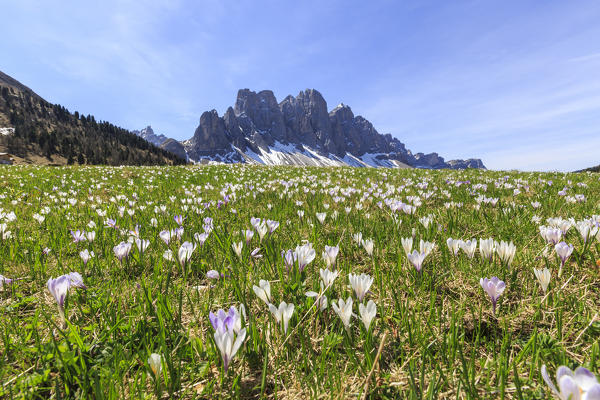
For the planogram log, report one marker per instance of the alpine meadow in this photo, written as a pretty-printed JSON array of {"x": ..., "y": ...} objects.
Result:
[{"x": 246, "y": 281}]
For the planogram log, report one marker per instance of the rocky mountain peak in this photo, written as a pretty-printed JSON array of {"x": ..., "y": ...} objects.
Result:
[{"x": 257, "y": 127}]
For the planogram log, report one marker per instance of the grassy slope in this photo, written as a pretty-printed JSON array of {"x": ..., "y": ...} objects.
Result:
[{"x": 442, "y": 339}]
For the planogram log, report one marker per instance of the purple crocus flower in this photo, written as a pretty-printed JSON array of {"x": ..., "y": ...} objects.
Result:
[
  {"x": 494, "y": 288},
  {"x": 288, "y": 258},
  {"x": 229, "y": 335},
  {"x": 213, "y": 274},
  {"x": 5, "y": 281},
  {"x": 111, "y": 223},
  {"x": 179, "y": 232},
  {"x": 78, "y": 236},
  {"x": 179, "y": 219}
]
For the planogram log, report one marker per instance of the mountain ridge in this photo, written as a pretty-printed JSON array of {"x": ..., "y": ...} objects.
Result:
[{"x": 301, "y": 130}]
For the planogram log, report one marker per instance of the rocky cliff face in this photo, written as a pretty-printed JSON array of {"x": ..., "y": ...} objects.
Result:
[{"x": 301, "y": 130}]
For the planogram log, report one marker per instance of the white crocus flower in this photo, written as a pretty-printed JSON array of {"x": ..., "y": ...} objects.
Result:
[
  {"x": 344, "y": 310},
  {"x": 407, "y": 244},
  {"x": 237, "y": 248},
  {"x": 263, "y": 290},
  {"x": 361, "y": 284},
  {"x": 155, "y": 363},
  {"x": 469, "y": 247},
  {"x": 283, "y": 313},
  {"x": 367, "y": 313},
  {"x": 368, "y": 245},
  {"x": 543, "y": 276}
]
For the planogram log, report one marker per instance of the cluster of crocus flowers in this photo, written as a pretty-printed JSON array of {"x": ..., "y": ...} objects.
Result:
[
  {"x": 59, "y": 287},
  {"x": 122, "y": 250},
  {"x": 506, "y": 252},
  {"x": 550, "y": 234},
  {"x": 494, "y": 288},
  {"x": 580, "y": 384},
  {"x": 229, "y": 334}
]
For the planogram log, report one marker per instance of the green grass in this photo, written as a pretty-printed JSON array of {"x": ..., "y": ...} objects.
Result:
[{"x": 436, "y": 331}]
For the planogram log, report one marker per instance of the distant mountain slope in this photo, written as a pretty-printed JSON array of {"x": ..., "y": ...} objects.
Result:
[
  {"x": 35, "y": 131},
  {"x": 162, "y": 141},
  {"x": 301, "y": 131},
  {"x": 591, "y": 169}
]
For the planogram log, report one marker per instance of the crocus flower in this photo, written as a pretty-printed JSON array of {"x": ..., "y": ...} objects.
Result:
[
  {"x": 453, "y": 245},
  {"x": 272, "y": 225},
  {"x": 416, "y": 259},
  {"x": 357, "y": 237},
  {"x": 578, "y": 385},
  {"x": 179, "y": 232},
  {"x": 237, "y": 248},
  {"x": 361, "y": 284},
  {"x": 321, "y": 217},
  {"x": 344, "y": 310},
  {"x": 288, "y": 258},
  {"x": 58, "y": 288},
  {"x": 426, "y": 247},
  {"x": 262, "y": 230},
  {"x": 86, "y": 255},
  {"x": 321, "y": 299},
  {"x": 185, "y": 252},
  {"x": 142, "y": 245},
  {"x": 367, "y": 313},
  {"x": 168, "y": 255},
  {"x": 248, "y": 235},
  {"x": 256, "y": 253},
  {"x": 543, "y": 276},
  {"x": 368, "y": 246},
  {"x": 5, "y": 281},
  {"x": 166, "y": 236},
  {"x": 263, "y": 291},
  {"x": 122, "y": 250},
  {"x": 91, "y": 235},
  {"x": 228, "y": 344},
  {"x": 327, "y": 277},
  {"x": 469, "y": 247},
  {"x": 179, "y": 219},
  {"x": 494, "y": 288},
  {"x": 283, "y": 313},
  {"x": 550, "y": 234},
  {"x": 487, "y": 248},
  {"x": 78, "y": 236},
  {"x": 155, "y": 364},
  {"x": 506, "y": 251},
  {"x": 563, "y": 251},
  {"x": 330, "y": 255},
  {"x": 213, "y": 274},
  {"x": 304, "y": 255},
  {"x": 229, "y": 336},
  {"x": 407, "y": 244},
  {"x": 200, "y": 238}
]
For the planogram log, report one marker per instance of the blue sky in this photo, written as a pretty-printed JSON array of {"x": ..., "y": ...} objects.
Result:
[{"x": 516, "y": 83}]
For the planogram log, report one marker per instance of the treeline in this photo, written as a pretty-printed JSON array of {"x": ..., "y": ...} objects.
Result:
[{"x": 50, "y": 129}]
